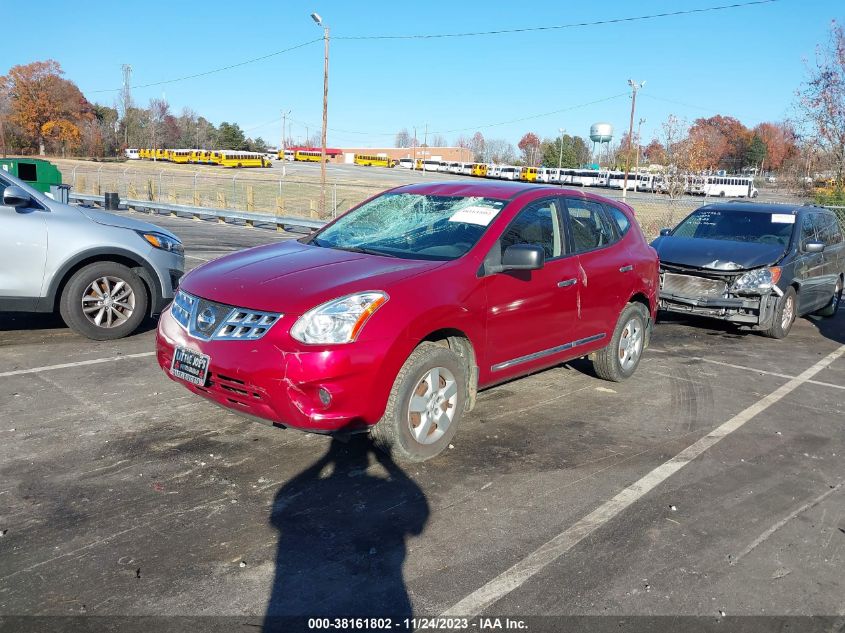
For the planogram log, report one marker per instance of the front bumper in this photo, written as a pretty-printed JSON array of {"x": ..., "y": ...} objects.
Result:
[
  {"x": 757, "y": 311},
  {"x": 277, "y": 380}
]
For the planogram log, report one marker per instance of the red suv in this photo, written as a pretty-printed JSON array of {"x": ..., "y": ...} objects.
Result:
[{"x": 392, "y": 317}]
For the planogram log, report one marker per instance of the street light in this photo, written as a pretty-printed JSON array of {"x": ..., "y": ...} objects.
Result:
[
  {"x": 319, "y": 22},
  {"x": 560, "y": 156}
]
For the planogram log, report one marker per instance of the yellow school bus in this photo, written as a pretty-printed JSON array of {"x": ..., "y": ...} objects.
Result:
[
  {"x": 142, "y": 153},
  {"x": 528, "y": 174},
  {"x": 214, "y": 157},
  {"x": 374, "y": 161},
  {"x": 231, "y": 158},
  {"x": 159, "y": 154},
  {"x": 307, "y": 155},
  {"x": 479, "y": 169},
  {"x": 180, "y": 155}
]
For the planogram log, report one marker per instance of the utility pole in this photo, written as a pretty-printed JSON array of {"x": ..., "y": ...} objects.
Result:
[
  {"x": 637, "y": 164},
  {"x": 126, "y": 99},
  {"x": 284, "y": 142},
  {"x": 319, "y": 22},
  {"x": 425, "y": 145},
  {"x": 560, "y": 156},
  {"x": 634, "y": 88}
]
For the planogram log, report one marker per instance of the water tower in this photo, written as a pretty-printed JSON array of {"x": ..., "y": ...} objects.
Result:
[{"x": 601, "y": 133}]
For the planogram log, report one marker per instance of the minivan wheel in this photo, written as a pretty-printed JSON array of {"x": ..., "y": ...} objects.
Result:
[
  {"x": 620, "y": 358},
  {"x": 104, "y": 301},
  {"x": 425, "y": 405},
  {"x": 784, "y": 316},
  {"x": 833, "y": 305}
]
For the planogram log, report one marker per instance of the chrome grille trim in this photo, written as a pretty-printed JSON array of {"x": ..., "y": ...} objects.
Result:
[
  {"x": 231, "y": 323},
  {"x": 692, "y": 286}
]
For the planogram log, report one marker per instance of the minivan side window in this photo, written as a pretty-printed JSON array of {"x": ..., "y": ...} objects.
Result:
[
  {"x": 808, "y": 230},
  {"x": 823, "y": 228},
  {"x": 538, "y": 224},
  {"x": 588, "y": 226},
  {"x": 619, "y": 219},
  {"x": 836, "y": 229}
]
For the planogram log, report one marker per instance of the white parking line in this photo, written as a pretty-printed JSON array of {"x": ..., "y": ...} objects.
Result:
[
  {"x": 475, "y": 603},
  {"x": 767, "y": 373},
  {"x": 95, "y": 361}
]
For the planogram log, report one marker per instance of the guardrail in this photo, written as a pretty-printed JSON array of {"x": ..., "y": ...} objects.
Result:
[{"x": 223, "y": 216}]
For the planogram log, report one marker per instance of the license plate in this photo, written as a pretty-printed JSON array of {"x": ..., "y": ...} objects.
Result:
[{"x": 190, "y": 366}]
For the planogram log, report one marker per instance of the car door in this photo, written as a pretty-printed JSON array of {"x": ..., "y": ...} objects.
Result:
[
  {"x": 606, "y": 269},
  {"x": 532, "y": 316},
  {"x": 809, "y": 267},
  {"x": 834, "y": 252},
  {"x": 23, "y": 252}
]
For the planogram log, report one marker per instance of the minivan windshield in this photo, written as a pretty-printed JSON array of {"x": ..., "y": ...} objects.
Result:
[
  {"x": 412, "y": 226},
  {"x": 737, "y": 226}
]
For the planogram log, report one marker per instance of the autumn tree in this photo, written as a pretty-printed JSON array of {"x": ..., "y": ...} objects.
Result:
[
  {"x": 529, "y": 145},
  {"x": 780, "y": 143},
  {"x": 821, "y": 99},
  {"x": 38, "y": 95},
  {"x": 655, "y": 153},
  {"x": 63, "y": 132}
]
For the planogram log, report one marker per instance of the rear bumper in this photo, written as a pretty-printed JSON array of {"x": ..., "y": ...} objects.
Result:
[{"x": 757, "y": 311}]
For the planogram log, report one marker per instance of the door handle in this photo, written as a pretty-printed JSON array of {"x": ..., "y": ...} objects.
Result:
[
  {"x": 566, "y": 282},
  {"x": 626, "y": 269}
]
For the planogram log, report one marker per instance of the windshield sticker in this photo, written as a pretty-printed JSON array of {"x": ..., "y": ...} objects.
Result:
[
  {"x": 475, "y": 215},
  {"x": 783, "y": 218}
]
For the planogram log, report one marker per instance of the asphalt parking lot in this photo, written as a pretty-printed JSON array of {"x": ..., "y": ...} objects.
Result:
[{"x": 712, "y": 484}]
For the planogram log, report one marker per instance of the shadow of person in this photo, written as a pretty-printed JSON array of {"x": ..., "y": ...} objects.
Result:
[{"x": 343, "y": 524}]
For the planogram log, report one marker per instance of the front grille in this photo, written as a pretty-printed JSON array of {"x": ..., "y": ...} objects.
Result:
[
  {"x": 692, "y": 286},
  {"x": 208, "y": 320}
]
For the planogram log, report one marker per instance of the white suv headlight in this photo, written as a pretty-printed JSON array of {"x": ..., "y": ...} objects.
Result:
[{"x": 339, "y": 320}]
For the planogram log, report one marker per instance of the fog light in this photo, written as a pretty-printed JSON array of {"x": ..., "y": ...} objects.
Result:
[{"x": 325, "y": 396}]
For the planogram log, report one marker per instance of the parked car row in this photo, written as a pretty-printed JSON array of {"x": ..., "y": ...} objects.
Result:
[{"x": 392, "y": 317}]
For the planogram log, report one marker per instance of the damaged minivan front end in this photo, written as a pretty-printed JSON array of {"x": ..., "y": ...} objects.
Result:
[{"x": 726, "y": 291}]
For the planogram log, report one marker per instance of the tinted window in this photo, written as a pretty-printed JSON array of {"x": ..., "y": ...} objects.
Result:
[
  {"x": 620, "y": 219},
  {"x": 836, "y": 230},
  {"x": 587, "y": 224},
  {"x": 808, "y": 230},
  {"x": 537, "y": 225},
  {"x": 823, "y": 228}
]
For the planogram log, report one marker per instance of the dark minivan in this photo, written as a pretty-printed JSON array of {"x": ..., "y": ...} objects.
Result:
[{"x": 760, "y": 265}]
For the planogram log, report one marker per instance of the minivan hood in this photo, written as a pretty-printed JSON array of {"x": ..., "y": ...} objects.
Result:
[
  {"x": 123, "y": 222},
  {"x": 291, "y": 277},
  {"x": 703, "y": 253}
]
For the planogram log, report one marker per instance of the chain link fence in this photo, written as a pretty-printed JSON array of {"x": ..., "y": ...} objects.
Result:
[{"x": 264, "y": 191}]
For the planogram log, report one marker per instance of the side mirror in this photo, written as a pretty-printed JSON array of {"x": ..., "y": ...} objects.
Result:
[
  {"x": 664, "y": 232},
  {"x": 813, "y": 246},
  {"x": 523, "y": 257},
  {"x": 14, "y": 196}
]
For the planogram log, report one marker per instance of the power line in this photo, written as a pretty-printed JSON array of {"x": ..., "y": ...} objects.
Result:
[
  {"x": 637, "y": 18},
  {"x": 215, "y": 70}
]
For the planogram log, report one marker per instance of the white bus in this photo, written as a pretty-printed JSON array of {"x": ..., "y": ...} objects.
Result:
[
  {"x": 132, "y": 154},
  {"x": 589, "y": 178},
  {"x": 616, "y": 180},
  {"x": 406, "y": 163},
  {"x": 494, "y": 171},
  {"x": 508, "y": 172},
  {"x": 548, "y": 174},
  {"x": 647, "y": 182},
  {"x": 432, "y": 165},
  {"x": 466, "y": 169},
  {"x": 723, "y": 186}
]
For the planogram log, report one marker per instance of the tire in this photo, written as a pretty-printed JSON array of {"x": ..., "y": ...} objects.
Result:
[
  {"x": 620, "y": 358},
  {"x": 784, "y": 316},
  {"x": 394, "y": 433},
  {"x": 833, "y": 305},
  {"x": 121, "y": 319}
]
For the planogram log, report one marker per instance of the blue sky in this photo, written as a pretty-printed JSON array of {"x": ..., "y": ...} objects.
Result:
[{"x": 745, "y": 62}]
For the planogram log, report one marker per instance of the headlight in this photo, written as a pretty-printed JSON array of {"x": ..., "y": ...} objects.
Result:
[
  {"x": 164, "y": 242},
  {"x": 339, "y": 320},
  {"x": 760, "y": 280}
]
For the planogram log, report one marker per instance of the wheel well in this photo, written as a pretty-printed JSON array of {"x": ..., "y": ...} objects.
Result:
[
  {"x": 459, "y": 342},
  {"x": 130, "y": 263},
  {"x": 641, "y": 298}
]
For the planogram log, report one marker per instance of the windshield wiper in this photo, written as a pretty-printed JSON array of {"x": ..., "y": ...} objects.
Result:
[{"x": 365, "y": 251}]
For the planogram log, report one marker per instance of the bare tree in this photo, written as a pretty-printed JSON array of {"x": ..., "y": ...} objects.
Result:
[
  {"x": 438, "y": 140},
  {"x": 403, "y": 138},
  {"x": 677, "y": 155},
  {"x": 821, "y": 99},
  {"x": 159, "y": 110}
]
